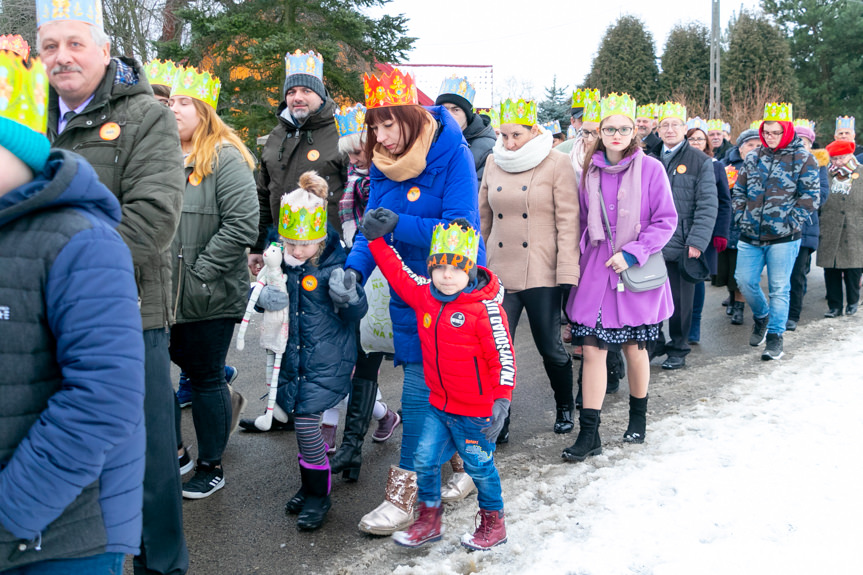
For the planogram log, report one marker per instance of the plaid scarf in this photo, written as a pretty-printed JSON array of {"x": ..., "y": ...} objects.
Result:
[
  {"x": 356, "y": 196},
  {"x": 125, "y": 74}
]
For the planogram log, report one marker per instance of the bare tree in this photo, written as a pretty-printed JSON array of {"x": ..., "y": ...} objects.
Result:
[{"x": 19, "y": 17}]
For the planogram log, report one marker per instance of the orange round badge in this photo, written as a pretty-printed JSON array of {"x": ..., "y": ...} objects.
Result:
[
  {"x": 427, "y": 320},
  {"x": 681, "y": 169},
  {"x": 313, "y": 155},
  {"x": 310, "y": 283},
  {"x": 855, "y": 176},
  {"x": 413, "y": 194},
  {"x": 194, "y": 179},
  {"x": 110, "y": 131}
]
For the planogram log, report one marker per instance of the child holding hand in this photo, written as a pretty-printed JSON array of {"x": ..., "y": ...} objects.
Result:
[{"x": 469, "y": 367}]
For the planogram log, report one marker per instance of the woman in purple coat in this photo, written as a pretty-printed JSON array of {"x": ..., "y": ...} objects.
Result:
[{"x": 641, "y": 212}]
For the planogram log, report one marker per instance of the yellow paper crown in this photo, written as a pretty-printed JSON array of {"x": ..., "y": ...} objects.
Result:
[
  {"x": 492, "y": 113},
  {"x": 582, "y": 96},
  {"x": 518, "y": 112},
  {"x": 451, "y": 245},
  {"x": 803, "y": 123},
  {"x": 777, "y": 112},
  {"x": 23, "y": 91},
  {"x": 755, "y": 125},
  {"x": 592, "y": 112},
  {"x": 672, "y": 110},
  {"x": 161, "y": 73},
  {"x": 302, "y": 225},
  {"x": 617, "y": 104},
  {"x": 715, "y": 125},
  {"x": 396, "y": 89},
  {"x": 193, "y": 83},
  {"x": 646, "y": 111},
  {"x": 15, "y": 43}
]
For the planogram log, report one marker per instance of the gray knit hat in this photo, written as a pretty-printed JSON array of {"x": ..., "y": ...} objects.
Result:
[{"x": 745, "y": 136}]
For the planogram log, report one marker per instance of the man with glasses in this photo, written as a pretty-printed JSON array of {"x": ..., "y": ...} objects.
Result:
[
  {"x": 693, "y": 186},
  {"x": 776, "y": 190}
]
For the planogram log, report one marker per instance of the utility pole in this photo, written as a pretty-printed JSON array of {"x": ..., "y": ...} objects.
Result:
[{"x": 714, "y": 62}]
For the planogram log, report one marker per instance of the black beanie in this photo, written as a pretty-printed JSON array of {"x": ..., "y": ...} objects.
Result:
[
  {"x": 459, "y": 101},
  {"x": 306, "y": 81}
]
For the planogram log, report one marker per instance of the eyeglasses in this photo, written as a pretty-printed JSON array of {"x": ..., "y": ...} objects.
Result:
[
  {"x": 772, "y": 134},
  {"x": 697, "y": 140},
  {"x": 624, "y": 131},
  {"x": 671, "y": 126},
  {"x": 589, "y": 134}
]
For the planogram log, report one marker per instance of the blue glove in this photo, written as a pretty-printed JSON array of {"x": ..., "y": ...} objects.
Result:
[
  {"x": 499, "y": 411},
  {"x": 378, "y": 223},
  {"x": 343, "y": 288}
]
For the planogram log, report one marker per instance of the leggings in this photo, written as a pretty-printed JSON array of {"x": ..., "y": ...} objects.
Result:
[{"x": 309, "y": 438}]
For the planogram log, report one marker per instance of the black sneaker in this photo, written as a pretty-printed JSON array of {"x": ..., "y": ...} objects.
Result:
[
  {"x": 207, "y": 480},
  {"x": 773, "y": 349},
  {"x": 185, "y": 462},
  {"x": 759, "y": 331}
]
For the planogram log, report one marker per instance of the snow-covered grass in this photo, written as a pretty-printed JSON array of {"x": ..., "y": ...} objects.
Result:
[{"x": 764, "y": 477}]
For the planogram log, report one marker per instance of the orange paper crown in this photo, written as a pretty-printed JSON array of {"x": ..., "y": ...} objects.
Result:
[
  {"x": 15, "y": 43},
  {"x": 396, "y": 89}
]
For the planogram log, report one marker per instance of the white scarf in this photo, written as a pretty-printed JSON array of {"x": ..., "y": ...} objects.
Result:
[{"x": 525, "y": 158}]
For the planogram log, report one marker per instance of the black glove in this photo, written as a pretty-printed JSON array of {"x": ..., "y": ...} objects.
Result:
[
  {"x": 499, "y": 411},
  {"x": 378, "y": 223},
  {"x": 343, "y": 288}
]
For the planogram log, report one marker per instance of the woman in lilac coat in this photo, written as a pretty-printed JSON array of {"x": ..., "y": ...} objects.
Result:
[{"x": 606, "y": 316}]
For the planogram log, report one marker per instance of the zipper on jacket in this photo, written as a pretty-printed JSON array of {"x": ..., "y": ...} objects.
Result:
[
  {"x": 437, "y": 356},
  {"x": 179, "y": 282},
  {"x": 478, "y": 380}
]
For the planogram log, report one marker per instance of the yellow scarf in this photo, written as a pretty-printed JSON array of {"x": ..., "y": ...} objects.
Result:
[{"x": 412, "y": 162}]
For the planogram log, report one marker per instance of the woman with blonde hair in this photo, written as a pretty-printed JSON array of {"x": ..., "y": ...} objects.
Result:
[{"x": 211, "y": 280}]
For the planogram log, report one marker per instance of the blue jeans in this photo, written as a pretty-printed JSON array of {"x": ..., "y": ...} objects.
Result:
[
  {"x": 779, "y": 259},
  {"x": 415, "y": 405},
  {"x": 445, "y": 433},
  {"x": 102, "y": 564}
]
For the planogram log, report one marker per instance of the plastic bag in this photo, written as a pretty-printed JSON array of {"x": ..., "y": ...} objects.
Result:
[{"x": 376, "y": 328}]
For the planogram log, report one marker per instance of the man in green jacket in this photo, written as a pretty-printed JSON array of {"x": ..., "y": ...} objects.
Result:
[
  {"x": 103, "y": 108},
  {"x": 306, "y": 138}
]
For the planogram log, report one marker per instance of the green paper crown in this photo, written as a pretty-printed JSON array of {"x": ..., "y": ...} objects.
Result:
[
  {"x": 755, "y": 125},
  {"x": 646, "y": 111},
  {"x": 777, "y": 112},
  {"x": 23, "y": 91},
  {"x": 518, "y": 112},
  {"x": 161, "y": 73},
  {"x": 199, "y": 85},
  {"x": 301, "y": 225},
  {"x": 803, "y": 123},
  {"x": 614, "y": 104},
  {"x": 672, "y": 110},
  {"x": 453, "y": 246},
  {"x": 715, "y": 125},
  {"x": 582, "y": 96},
  {"x": 592, "y": 112}
]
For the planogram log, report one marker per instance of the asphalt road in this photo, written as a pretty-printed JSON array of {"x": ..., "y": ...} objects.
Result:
[{"x": 243, "y": 529}]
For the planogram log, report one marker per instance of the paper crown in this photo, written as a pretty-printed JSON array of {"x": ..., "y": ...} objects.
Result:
[
  {"x": 350, "y": 120},
  {"x": 726, "y": 127},
  {"x": 614, "y": 104},
  {"x": 518, "y": 112},
  {"x": 715, "y": 125},
  {"x": 191, "y": 82},
  {"x": 15, "y": 43},
  {"x": 310, "y": 63},
  {"x": 672, "y": 110},
  {"x": 492, "y": 113},
  {"x": 646, "y": 111},
  {"x": 23, "y": 91},
  {"x": 458, "y": 86},
  {"x": 571, "y": 132},
  {"x": 755, "y": 125},
  {"x": 582, "y": 96},
  {"x": 451, "y": 245},
  {"x": 699, "y": 123},
  {"x": 777, "y": 112},
  {"x": 301, "y": 224},
  {"x": 553, "y": 127},
  {"x": 803, "y": 123},
  {"x": 845, "y": 123},
  {"x": 396, "y": 89},
  {"x": 89, "y": 11},
  {"x": 592, "y": 112},
  {"x": 161, "y": 73}
]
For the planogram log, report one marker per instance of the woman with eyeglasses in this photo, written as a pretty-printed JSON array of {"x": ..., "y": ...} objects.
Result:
[
  {"x": 632, "y": 189},
  {"x": 696, "y": 135},
  {"x": 529, "y": 215}
]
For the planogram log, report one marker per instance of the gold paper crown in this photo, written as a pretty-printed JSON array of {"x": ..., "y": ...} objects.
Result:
[
  {"x": 672, "y": 110},
  {"x": 23, "y": 91},
  {"x": 193, "y": 83},
  {"x": 161, "y": 73},
  {"x": 582, "y": 96},
  {"x": 777, "y": 112},
  {"x": 396, "y": 89},
  {"x": 15, "y": 43},
  {"x": 518, "y": 112},
  {"x": 302, "y": 225},
  {"x": 646, "y": 111},
  {"x": 845, "y": 123},
  {"x": 614, "y": 104},
  {"x": 592, "y": 112},
  {"x": 715, "y": 125},
  {"x": 451, "y": 245}
]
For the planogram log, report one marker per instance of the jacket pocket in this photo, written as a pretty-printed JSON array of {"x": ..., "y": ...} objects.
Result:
[
  {"x": 200, "y": 299},
  {"x": 478, "y": 378}
]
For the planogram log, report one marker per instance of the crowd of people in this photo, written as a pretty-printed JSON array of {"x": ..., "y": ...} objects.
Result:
[{"x": 133, "y": 221}]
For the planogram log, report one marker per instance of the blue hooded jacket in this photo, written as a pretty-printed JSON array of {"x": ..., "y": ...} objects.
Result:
[{"x": 447, "y": 189}]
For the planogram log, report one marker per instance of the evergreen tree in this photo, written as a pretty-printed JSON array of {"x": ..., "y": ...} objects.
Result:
[
  {"x": 625, "y": 61},
  {"x": 244, "y": 44},
  {"x": 685, "y": 73},
  {"x": 826, "y": 38},
  {"x": 556, "y": 104}
]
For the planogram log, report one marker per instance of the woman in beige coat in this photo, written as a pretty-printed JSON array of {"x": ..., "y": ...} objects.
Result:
[{"x": 528, "y": 205}]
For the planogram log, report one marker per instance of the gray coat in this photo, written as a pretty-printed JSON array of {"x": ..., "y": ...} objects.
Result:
[
  {"x": 840, "y": 244},
  {"x": 480, "y": 138}
]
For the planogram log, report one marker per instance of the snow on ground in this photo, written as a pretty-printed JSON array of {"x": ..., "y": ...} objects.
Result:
[{"x": 762, "y": 478}]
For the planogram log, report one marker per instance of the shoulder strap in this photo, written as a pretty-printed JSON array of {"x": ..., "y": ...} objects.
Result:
[{"x": 605, "y": 218}]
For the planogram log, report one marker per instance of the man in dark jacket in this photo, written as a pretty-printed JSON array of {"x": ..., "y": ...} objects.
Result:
[
  {"x": 776, "y": 191},
  {"x": 72, "y": 382},
  {"x": 104, "y": 109},
  {"x": 456, "y": 95},
  {"x": 716, "y": 138},
  {"x": 645, "y": 122},
  {"x": 306, "y": 138},
  {"x": 693, "y": 185}
]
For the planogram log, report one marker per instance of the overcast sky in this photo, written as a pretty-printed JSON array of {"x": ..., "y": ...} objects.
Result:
[{"x": 533, "y": 40}]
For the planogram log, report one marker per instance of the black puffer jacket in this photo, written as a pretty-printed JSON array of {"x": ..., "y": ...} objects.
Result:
[
  {"x": 480, "y": 138},
  {"x": 322, "y": 346}
]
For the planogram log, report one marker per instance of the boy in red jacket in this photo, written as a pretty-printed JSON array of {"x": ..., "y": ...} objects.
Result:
[{"x": 469, "y": 367}]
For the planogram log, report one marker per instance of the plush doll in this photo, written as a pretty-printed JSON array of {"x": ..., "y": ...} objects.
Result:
[{"x": 270, "y": 286}]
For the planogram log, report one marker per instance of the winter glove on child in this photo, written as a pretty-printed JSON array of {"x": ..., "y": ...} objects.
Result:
[
  {"x": 272, "y": 298},
  {"x": 343, "y": 288},
  {"x": 499, "y": 411},
  {"x": 378, "y": 223},
  {"x": 720, "y": 244}
]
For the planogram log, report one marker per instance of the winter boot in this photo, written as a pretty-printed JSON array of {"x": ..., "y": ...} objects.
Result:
[
  {"x": 295, "y": 503},
  {"x": 615, "y": 369},
  {"x": 460, "y": 485},
  {"x": 563, "y": 422},
  {"x": 397, "y": 510},
  {"x": 637, "y": 427},
  {"x": 490, "y": 532},
  {"x": 579, "y": 400},
  {"x": 737, "y": 312},
  {"x": 316, "y": 484},
  {"x": 425, "y": 529},
  {"x": 587, "y": 443},
  {"x": 386, "y": 425},
  {"x": 560, "y": 377},
  {"x": 349, "y": 457},
  {"x": 759, "y": 331},
  {"x": 328, "y": 433},
  {"x": 773, "y": 349}
]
